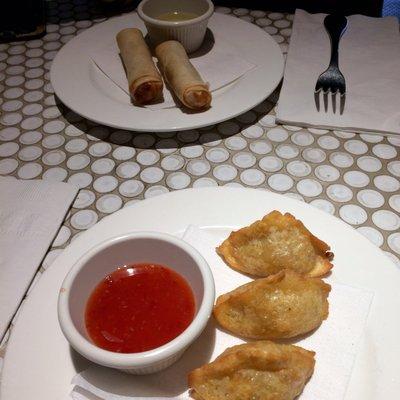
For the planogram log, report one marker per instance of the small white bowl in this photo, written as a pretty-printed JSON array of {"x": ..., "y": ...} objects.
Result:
[
  {"x": 190, "y": 33},
  {"x": 132, "y": 248}
]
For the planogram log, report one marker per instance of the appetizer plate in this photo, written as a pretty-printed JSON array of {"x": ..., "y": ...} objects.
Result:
[
  {"x": 79, "y": 83},
  {"x": 40, "y": 365}
]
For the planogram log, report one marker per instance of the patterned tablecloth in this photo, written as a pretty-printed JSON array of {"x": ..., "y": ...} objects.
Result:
[{"x": 353, "y": 176}]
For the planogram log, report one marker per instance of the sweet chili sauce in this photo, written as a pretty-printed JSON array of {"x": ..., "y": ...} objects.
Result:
[{"x": 138, "y": 308}]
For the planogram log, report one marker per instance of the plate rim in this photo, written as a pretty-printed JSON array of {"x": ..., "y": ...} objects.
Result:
[
  {"x": 192, "y": 194},
  {"x": 56, "y": 77}
]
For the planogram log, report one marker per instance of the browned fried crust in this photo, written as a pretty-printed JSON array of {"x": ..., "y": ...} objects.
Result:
[
  {"x": 283, "y": 305},
  {"x": 274, "y": 243},
  {"x": 262, "y": 370}
]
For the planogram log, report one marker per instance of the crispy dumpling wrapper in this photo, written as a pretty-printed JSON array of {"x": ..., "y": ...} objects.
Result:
[
  {"x": 275, "y": 243},
  {"x": 281, "y": 306},
  {"x": 260, "y": 370}
]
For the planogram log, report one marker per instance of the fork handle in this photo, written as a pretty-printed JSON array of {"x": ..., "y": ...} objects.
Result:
[{"x": 335, "y": 25}]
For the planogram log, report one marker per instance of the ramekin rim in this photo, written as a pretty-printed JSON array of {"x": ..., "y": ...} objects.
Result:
[
  {"x": 143, "y": 359},
  {"x": 175, "y": 24}
]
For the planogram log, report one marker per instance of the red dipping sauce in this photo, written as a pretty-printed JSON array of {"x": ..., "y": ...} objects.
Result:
[{"x": 138, "y": 308}]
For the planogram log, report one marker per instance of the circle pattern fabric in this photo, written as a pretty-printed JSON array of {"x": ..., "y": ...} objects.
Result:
[{"x": 353, "y": 176}]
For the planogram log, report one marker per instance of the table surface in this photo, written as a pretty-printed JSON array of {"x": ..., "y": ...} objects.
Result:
[{"x": 355, "y": 177}]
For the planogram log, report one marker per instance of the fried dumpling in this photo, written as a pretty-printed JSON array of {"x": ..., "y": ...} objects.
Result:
[
  {"x": 260, "y": 370},
  {"x": 283, "y": 305},
  {"x": 274, "y": 243}
]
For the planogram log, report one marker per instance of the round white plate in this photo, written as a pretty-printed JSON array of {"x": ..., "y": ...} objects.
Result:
[
  {"x": 39, "y": 364},
  {"x": 87, "y": 91}
]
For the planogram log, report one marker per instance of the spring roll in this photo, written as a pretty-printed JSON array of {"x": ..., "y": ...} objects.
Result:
[
  {"x": 183, "y": 78},
  {"x": 145, "y": 82}
]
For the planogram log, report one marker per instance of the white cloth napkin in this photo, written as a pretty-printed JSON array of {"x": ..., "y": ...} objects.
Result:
[
  {"x": 369, "y": 58},
  {"x": 220, "y": 66},
  {"x": 335, "y": 343},
  {"x": 31, "y": 212}
]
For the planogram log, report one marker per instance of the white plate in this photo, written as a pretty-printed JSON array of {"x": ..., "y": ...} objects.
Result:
[
  {"x": 39, "y": 364},
  {"x": 87, "y": 91}
]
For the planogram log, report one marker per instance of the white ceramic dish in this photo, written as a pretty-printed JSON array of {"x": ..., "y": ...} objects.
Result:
[
  {"x": 87, "y": 91},
  {"x": 190, "y": 33},
  {"x": 37, "y": 348},
  {"x": 133, "y": 248}
]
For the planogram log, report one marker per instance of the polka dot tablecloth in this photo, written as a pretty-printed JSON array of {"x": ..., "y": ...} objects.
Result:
[{"x": 355, "y": 177}]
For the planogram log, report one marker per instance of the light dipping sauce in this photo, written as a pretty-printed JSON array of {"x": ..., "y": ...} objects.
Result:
[
  {"x": 176, "y": 16},
  {"x": 138, "y": 308}
]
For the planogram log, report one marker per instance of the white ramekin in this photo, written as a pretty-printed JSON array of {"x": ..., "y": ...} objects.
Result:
[
  {"x": 189, "y": 33},
  {"x": 131, "y": 248}
]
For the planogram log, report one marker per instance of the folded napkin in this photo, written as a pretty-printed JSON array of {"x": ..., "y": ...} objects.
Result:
[
  {"x": 219, "y": 66},
  {"x": 335, "y": 343},
  {"x": 31, "y": 213},
  {"x": 369, "y": 58}
]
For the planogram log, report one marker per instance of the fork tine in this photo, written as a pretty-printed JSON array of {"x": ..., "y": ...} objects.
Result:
[
  {"x": 342, "y": 98},
  {"x": 334, "y": 102},
  {"x": 316, "y": 99},
  {"x": 325, "y": 96}
]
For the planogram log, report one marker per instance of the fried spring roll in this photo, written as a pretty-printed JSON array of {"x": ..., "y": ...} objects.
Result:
[
  {"x": 183, "y": 78},
  {"x": 145, "y": 82}
]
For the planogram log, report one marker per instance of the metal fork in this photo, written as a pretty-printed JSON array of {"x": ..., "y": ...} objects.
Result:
[{"x": 332, "y": 80}]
